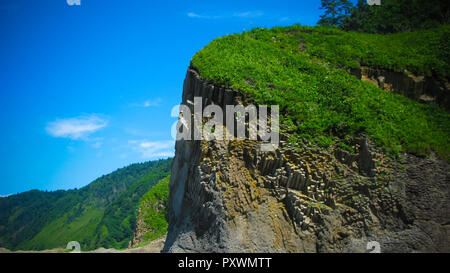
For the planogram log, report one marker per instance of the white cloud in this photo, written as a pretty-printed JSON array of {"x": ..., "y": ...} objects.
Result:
[
  {"x": 245, "y": 14},
  {"x": 249, "y": 14},
  {"x": 152, "y": 149},
  {"x": 290, "y": 19},
  {"x": 148, "y": 103},
  {"x": 155, "y": 102},
  {"x": 4, "y": 196},
  {"x": 203, "y": 16},
  {"x": 194, "y": 15},
  {"x": 76, "y": 128}
]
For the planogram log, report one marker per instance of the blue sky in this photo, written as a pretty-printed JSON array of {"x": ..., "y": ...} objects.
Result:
[{"x": 87, "y": 89}]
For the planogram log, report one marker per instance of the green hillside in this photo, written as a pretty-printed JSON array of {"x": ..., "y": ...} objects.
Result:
[
  {"x": 304, "y": 70},
  {"x": 116, "y": 228},
  {"x": 60, "y": 231},
  {"x": 42, "y": 220},
  {"x": 153, "y": 210}
]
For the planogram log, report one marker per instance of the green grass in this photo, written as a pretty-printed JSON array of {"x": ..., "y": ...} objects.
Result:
[
  {"x": 321, "y": 104},
  {"x": 153, "y": 216},
  {"x": 423, "y": 53},
  {"x": 118, "y": 224},
  {"x": 58, "y": 233}
]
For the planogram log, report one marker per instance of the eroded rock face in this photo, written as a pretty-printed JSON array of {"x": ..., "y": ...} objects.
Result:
[
  {"x": 228, "y": 196},
  {"x": 420, "y": 88},
  {"x": 139, "y": 232},
  {"x": 142, "y": 228}
]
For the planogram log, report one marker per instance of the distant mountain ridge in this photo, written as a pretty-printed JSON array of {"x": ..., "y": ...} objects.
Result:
[{"x": 101, "y": 214}]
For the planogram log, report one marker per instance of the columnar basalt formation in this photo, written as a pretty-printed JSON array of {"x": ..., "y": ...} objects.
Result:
[
  {"x": 229, "y": 196},
  {"x": 420, "y": 88}
]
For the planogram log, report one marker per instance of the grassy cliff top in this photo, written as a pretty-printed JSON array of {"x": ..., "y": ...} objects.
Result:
[{"x": 298, "y": 68}]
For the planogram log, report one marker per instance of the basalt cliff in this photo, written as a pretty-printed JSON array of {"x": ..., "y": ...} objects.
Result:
[{"x": 230, "y": 196}]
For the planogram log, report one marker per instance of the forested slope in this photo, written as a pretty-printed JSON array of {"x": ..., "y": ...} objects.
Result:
[{"x": 42, "y": 220}]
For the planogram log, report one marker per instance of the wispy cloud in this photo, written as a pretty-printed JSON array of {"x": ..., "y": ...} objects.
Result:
[
  {"x": 249, "y": 14},
  {"x": 152, "y": 149},
  {"x": 148, "y": 103},
  {"x": 76, "y": 128},
  {"x": 290, "y": 19},
  {"x": 244, "y": 14},
  {"x": 4, "y": 196},
  {"x": 195, "y": 15},
  {"x": 97, "y": 144},
  {"x": 203, "y": 16}
]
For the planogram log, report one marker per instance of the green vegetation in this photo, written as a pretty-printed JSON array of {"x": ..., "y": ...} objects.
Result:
[
  {"x": 335, "y": 11},
  {"x": 119, "y": 221},
  {"x": 423, "y": 52},
  {"x": 59, "y": 231},
  {"x": 298, "y": 68},
  {"x": 302, "y": 69},
  {"x": 390, "y": 17},
  {"x": 153, "y": 210},
  {"x": 38, "y": 220}
]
